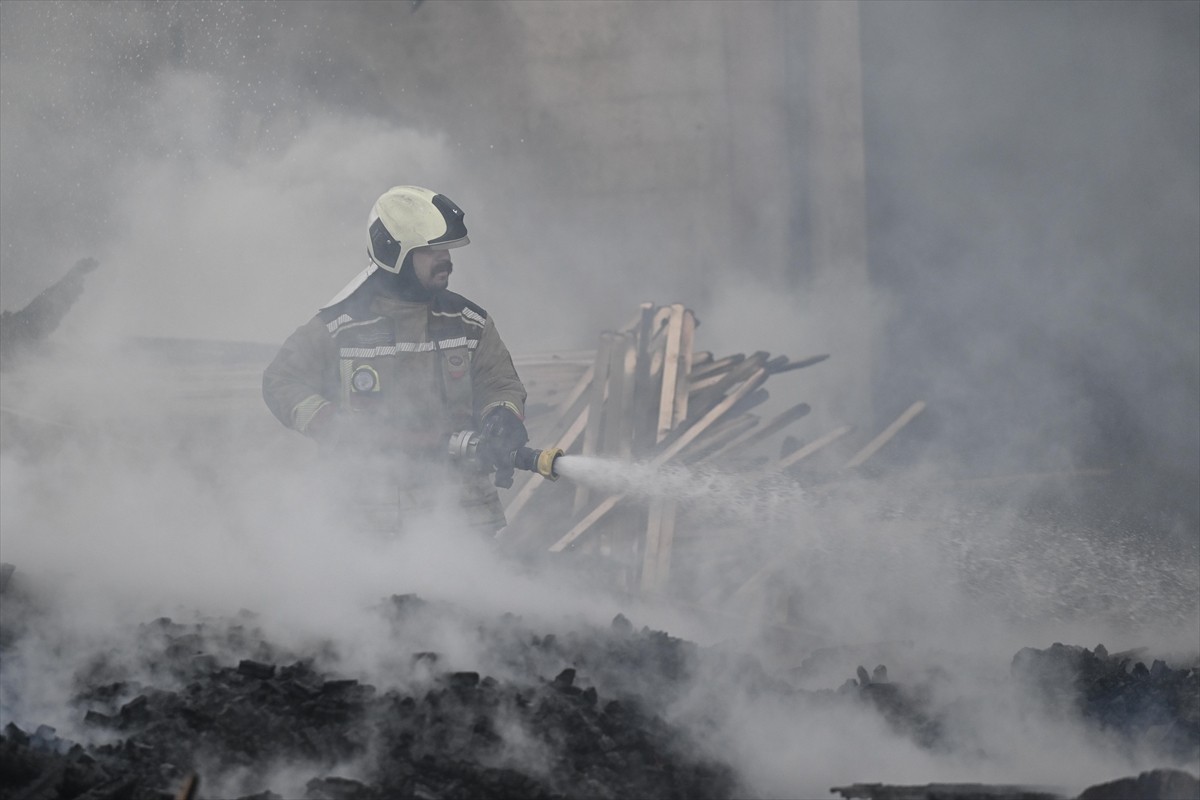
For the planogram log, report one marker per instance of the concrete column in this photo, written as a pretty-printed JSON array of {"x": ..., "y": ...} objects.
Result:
[{"x": 834, "y": 193}]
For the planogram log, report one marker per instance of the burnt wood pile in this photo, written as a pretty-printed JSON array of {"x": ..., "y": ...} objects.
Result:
[
  {"x": 588, "y": 712},
  {"x": 647, "y": 395},
  {"x": 544, "y": 732}
]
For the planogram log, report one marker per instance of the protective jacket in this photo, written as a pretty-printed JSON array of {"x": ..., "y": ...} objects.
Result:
[{"x": 403, "y": 372}]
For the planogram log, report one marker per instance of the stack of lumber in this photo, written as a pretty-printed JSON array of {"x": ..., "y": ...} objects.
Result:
[{"x": 646, "y": 395}]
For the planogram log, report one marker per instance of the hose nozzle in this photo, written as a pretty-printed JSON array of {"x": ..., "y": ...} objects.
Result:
[
  {"x": 539, "y": 461},
  {"x": 464, "y": 445}
]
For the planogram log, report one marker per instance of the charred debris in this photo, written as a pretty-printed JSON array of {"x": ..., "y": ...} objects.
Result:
[{"x": 588, "y": 712}]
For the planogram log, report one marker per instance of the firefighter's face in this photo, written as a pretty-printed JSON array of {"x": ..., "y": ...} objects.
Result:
[{"x": 432, "y": 267}]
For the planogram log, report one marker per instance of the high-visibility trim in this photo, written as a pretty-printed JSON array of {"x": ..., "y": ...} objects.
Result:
[
  {"x": 386, "y": 350},
  {"x": 305, "y": 410},
  {"x": 344, "y": 323},
  {"x": 407, "y": 347},
  {"x": 511, "y": 406},
  {"x": 466, "y": 315},
  {"x": 333, "y": 325}
]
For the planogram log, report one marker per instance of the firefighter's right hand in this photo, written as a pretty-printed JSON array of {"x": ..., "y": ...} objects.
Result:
[{"x": 501, "y": 434}]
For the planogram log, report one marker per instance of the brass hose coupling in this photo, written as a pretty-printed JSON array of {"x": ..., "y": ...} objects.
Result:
[{"x": 539, "y": 461}]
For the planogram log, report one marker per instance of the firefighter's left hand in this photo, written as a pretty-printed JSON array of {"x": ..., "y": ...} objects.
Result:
[{"x": 502, "y": 432}]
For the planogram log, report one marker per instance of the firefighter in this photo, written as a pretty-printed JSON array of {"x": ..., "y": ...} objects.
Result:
[{"x": 395, "y": 364}]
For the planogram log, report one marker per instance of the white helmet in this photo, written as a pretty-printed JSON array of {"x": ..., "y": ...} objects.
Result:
[{"x": 407, "y": 217}]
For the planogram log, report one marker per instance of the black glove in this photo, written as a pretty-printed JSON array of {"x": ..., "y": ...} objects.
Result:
[{"x": 502, "y": 433}]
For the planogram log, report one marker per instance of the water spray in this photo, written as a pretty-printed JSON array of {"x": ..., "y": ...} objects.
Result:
[{"x": 723, "y": 494}]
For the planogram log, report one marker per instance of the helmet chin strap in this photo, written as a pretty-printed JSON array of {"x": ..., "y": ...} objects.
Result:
[{"x": 402, "y": 284}]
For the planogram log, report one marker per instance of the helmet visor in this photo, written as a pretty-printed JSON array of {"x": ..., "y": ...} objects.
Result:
[{"x": 456, "y": 228}]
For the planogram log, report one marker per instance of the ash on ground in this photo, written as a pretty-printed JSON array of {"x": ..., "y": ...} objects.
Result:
[{"x": 591, "y": 712}]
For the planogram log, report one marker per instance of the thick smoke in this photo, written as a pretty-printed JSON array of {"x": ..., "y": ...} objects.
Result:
[
  {"x": 1033, "y": 208},
  {"x": 1033, "y": 200}
]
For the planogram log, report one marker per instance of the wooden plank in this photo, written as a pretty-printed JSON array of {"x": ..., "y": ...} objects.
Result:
[
  {"x": 776, "y": 425},
  {"x": 657, "y": 341},
  {"x": 775, "y": 364},
  {"x": 712, "y": 395},
  {"x": 585, "y": 524},
  {"x": 720, "y": 365},
  {"x": 810, "y": 448},
  {"x": 655, "y": 574},
  {"x": 701, "y": 357},
  {"x": 643, "y": 385},
  {"x": 720, "y": 435},
  {"x": 616, "y": 408},
  {"x": 671, "y": 365},
  {"x": 709, "y": 380},
  {"x": 628, "y": 368},
  {"x": 789, "y": 366},
  {"x": 751, "y": 383},
  {"x": 654, "y": 520},
  {"x": 661, "y": 315},
  {"x": 676, "y": 360},
  {"x": 671, "y": 450},
  {"x": 879, "y": 441},
  {"x": 751, "y": 401},
  {"x": 657, "y": 562},
  {"x": 687, "y": 336},
  {"x": 616, "y": 438},
  {"x": 595, "y": 424}
]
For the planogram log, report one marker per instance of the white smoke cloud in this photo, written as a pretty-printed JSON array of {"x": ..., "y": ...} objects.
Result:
[{"x": 228, "y": 203}]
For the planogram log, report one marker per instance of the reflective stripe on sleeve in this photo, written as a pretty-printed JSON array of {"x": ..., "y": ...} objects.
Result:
[
  {"x": 305, "y": 410},
  {"x": 507, "y": 404},
  {"x": 345, "y": 323},
  {"x": 335, "y": 324}
]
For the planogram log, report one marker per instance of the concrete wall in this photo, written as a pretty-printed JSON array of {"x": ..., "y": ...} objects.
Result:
[
  {"x": 675, "y": 149},
  {"x": 674, "y": 126}
]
